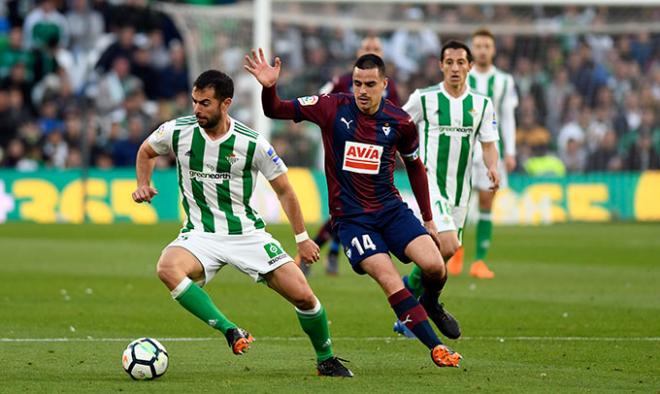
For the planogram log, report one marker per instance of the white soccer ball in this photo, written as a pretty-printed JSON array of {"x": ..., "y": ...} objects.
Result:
[{"x": 145, "y": 358}]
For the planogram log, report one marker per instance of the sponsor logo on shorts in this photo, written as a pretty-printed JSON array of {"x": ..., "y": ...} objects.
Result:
[
  {"x": 362, "y": 158},
  {"x": 275, "y": 252}
]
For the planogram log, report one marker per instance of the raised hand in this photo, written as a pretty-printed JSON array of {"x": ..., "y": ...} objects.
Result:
[{"x": 257, "y": 65}]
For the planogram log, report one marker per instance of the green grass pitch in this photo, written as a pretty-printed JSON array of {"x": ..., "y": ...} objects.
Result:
[{"x": 574, "y": 308}]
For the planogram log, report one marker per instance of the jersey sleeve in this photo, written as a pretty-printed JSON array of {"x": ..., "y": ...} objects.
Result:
[
  {"x": 160, "y": 139},
  {"x": 316, "y": 109},
  {"x": 267, "y": 161},
  {"x": 408, "y": 144},
  {"x": 488, "y": 127},
  {"x": 414, "y": 107}
]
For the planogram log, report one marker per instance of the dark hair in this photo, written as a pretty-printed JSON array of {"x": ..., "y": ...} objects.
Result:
[
  {"x": 453, "y": 44},
  {"x": 219, "y": 81},
  {"x": 370, "y": 61},
  {"x": 483, "y": 32}
]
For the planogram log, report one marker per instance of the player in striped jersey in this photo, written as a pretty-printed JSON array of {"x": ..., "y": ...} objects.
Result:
[
  {"x": 451, "y": 120},
  {"x": 218, "y": 159},
  {"x": 499, "y": 86}
]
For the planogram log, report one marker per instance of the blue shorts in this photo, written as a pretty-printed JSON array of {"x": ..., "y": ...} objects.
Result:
[{"x": 385, "y": 231}]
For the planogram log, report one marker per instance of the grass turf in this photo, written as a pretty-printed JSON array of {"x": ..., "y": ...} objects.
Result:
[{"x": 573, "y": 308}]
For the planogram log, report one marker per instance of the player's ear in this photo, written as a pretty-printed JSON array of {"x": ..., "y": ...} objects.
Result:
[
  {"x": 226, "y": 102},
  {"x": 385, "y": 81}
]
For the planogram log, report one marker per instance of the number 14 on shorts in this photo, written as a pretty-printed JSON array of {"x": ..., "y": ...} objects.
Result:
[{"x": 366, "y": 243}]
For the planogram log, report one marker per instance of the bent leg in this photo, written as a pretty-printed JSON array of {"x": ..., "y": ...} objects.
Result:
[
  {"x": 177, "y": 268},
  {"x": 290, "y": 282},
  {"x": 405, "y": 305}
]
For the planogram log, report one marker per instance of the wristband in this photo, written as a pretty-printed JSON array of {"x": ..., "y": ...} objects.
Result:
[{"x": 302, "y": 237}]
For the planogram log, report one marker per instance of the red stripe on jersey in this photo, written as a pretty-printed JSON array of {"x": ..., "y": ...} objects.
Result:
[{"x": 362, "y": 166}]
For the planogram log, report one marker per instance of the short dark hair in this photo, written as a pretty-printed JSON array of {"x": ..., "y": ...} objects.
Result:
[
  {"x": 483, "y": 32},
  {"x": 453, "y": 44},
  {"x": 219, "y": 81},
  {"x": 370, "y": 61}
]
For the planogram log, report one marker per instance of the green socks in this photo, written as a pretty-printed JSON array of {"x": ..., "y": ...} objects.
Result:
[
  {"x": 484, "y": 234},
  {"x": 315, "y": 324},
  {"x": 415, "y": 281},
  {"x": 197, "y": 301}
]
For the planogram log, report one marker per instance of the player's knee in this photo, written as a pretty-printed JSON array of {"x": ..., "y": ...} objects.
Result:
[
  {"x": 436, "y": 270},
  {"x": 450, "y": 250},
  {"x": 167, "y": 270},
  {"x": 305, "y": 300}
]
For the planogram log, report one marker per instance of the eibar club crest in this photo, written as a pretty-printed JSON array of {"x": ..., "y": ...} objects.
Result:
[{"x": 387, "y": 129}]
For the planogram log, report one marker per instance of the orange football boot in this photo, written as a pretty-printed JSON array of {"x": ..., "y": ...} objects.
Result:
[
  {"x": 480, "y": 270},
  {"x": 455, "y": 263},
  {"x": 443, "y": 356}
]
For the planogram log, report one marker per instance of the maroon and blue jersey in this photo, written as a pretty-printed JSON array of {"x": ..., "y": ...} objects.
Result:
[
  {"x": 344, "y": 84},
  {"x": 360, "y": 150}
]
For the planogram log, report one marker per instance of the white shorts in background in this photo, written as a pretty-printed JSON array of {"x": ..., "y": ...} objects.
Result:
[
  {"x": 448, "y": 217},
  {"x": 255, "y": 254},
  {"x": 480, "y": 179}
]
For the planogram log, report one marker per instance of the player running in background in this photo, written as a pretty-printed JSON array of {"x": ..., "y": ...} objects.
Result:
[
  {"x": 361, "y": 135},
  {"x": 488, "y": 80},
  {"x": 218, "y": 159},
  {"x": 344, "y": 84},
  {"x": 451, "y": 118}
]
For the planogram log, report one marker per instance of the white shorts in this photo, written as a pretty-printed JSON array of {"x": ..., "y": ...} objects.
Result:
[
  {"x": 480, "y": 179},
  {"x": 448, "y": 217},
  {"x": 255, "y": 254}
]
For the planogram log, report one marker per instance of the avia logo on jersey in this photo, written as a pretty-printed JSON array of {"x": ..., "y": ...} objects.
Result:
[
  {"x": 362, "y": 158},
  {"x": 209, "y": 176},
  {"x": 455, "y": 131}
]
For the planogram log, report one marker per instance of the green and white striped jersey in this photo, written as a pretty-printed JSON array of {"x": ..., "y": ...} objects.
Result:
[
  {"x": 500, "y": 88},
  {"x": 449, "y": 128},
  {"x": 217, "y": 178}
]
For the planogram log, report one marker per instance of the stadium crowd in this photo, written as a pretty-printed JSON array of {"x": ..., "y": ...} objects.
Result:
[{"x": 111, "y": 71}]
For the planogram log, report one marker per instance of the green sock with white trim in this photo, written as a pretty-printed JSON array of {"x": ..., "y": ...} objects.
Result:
[
  {"x": 197, "y": 301},
  {"x": 484, "y": 234},
  {"x": 315, "y": 324}
]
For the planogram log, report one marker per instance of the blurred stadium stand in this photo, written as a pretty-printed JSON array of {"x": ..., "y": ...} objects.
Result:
[{"x": 83, "y": 82}]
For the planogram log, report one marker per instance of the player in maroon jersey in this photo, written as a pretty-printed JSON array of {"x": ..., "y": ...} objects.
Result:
[
  {"x": 344, "y": 84},
  {"x": 361, "y": 135}
]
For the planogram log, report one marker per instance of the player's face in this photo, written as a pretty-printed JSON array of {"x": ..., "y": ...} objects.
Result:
[
  {"x": 455, "y": 66},
  {"x": 483, "y": 49},
  {"x": 368, "y": 88},
  {"x": 208, "y": 110}
]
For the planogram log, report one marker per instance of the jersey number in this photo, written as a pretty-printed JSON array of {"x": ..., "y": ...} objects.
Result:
[{"x": 366, "y": 241}]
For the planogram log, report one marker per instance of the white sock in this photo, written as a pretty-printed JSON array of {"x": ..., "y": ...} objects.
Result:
[{"x": 181, "y": 287}]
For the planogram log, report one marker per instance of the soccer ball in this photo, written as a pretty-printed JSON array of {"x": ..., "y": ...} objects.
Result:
[{"x": 145, "y": 358}]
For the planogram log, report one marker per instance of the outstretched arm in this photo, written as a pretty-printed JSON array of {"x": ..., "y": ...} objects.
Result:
[
  {"x": 307, "y": 249},
  {"x": 267, "y": 76}
]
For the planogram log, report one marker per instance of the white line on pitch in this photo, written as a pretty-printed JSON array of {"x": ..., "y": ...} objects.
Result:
[{"x": 384, "y": 339}]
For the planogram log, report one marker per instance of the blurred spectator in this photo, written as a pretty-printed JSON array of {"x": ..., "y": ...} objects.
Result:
[
  {"x": 125, "y": 150},
  {"x": 116, "y": 85},
  {"x": 55, "y": 149},
  {"x": 556, "y": 95},
  {"x": 142, "y": 69},
  {"x": 605, "y": 157},
  {"x": 12, "y": 53},
  {"x": 123, "y": 47},
  {"x": 44, "y": 25},
  {"x": 530, "y": 135},
  {"x": 8, "y": 124},
  {"x": 86, "y": 26},
  {"x": 174, "y": 78},
  {"x": 407, "y": 48},
  {"x": 544, "y": 163},
  {"x": 642, "y": 156},
  {"x": 574, "y": 155}
]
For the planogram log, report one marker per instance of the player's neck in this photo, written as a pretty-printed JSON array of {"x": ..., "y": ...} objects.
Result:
[
  {"x": 483, "y": 68},
  {"x": 455, "y": 90},
  {"x": 220, "y": 129}
]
